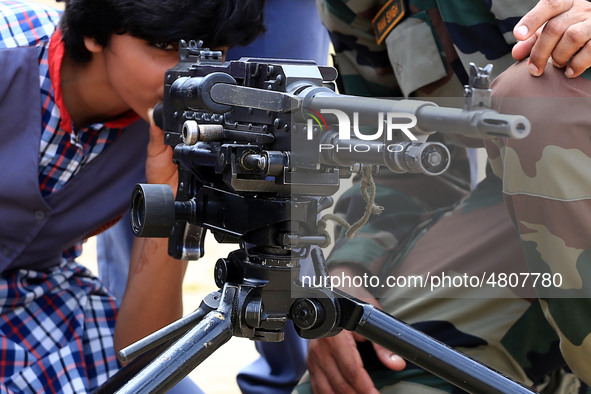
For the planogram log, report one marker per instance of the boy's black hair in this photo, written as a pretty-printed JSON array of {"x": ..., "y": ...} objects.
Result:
[{"x": 217, "y": 22}]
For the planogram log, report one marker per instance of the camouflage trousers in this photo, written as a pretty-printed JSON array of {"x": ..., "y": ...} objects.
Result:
[{"x": 468, "y": 257}]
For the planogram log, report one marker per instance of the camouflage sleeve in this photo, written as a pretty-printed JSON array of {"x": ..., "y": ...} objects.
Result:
[
  {"x": 482, "y": 31},
  {"x": 407, "y": 201},
  {"x": 364, "y": 66},
  {"x": 547, "y": 189},
  {"x": 427, "y": 51},
  {"x": 373, "y": 243}
]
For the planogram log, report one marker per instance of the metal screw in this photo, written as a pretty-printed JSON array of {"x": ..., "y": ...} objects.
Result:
[{"x": 434, "y": 158}]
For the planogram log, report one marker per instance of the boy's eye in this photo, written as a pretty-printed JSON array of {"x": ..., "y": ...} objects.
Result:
[{"x": 166, "y": 45}]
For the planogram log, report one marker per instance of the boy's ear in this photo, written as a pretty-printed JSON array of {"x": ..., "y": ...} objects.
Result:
[{"x": 92, "y": 45}]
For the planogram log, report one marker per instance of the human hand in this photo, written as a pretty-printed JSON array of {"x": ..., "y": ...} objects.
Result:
[
  {"x": 159, "y": 166},
  {"x": 335, "y": 364},
  {"x": 556, "y": 29}
]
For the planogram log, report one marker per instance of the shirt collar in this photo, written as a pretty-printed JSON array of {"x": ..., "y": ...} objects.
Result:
[{"x": 55, "y": 57}]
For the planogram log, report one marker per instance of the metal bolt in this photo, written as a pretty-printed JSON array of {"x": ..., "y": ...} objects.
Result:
[{"x": 434, "y": 158}]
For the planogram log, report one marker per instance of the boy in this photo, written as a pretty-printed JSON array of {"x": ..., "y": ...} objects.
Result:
[{"x": 88, "y": 77}]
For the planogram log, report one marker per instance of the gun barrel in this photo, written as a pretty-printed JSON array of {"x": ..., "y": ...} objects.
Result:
[
  {"x": 480, "y": 123},
  {"x": 486, "y": 123}
]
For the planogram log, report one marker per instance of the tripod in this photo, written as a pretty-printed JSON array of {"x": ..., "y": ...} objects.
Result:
[{"x": 260, "y": 292}]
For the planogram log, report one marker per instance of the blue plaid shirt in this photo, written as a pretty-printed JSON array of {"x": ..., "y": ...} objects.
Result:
[{"x": 64, "y": 149}]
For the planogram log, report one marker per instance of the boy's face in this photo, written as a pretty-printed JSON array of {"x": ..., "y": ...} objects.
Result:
[{"x": 136, "y": 68}]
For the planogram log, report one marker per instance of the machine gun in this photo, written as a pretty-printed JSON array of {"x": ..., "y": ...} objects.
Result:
[{"x": 257, "y": 161}]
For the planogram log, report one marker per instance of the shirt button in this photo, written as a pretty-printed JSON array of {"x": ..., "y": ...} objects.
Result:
[{"x": 39, "y": 215}]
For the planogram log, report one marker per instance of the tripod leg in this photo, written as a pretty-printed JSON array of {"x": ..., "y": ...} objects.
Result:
[
  {"x": 432, "y": 355},
  {"x": 144, "y": 351},
  {"x": 189, "y": 351},
  {"x": 336, "y": 310},
  {"x": 173, "y": 331}
]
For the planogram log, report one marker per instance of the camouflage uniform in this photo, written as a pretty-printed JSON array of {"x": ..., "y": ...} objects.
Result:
[
  {"x": 547, "y": 188},
  {"x": 425, "y": 229}
]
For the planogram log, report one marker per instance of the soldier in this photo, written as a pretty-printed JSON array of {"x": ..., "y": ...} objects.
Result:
[{"x": 428, "y": 230}]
